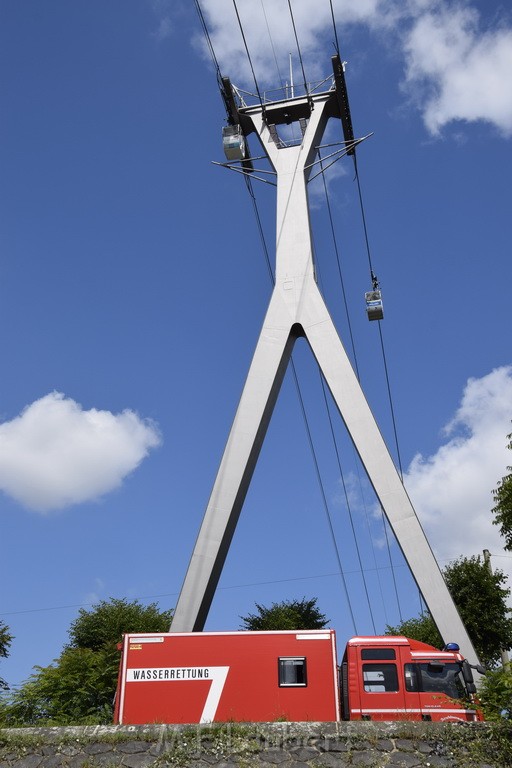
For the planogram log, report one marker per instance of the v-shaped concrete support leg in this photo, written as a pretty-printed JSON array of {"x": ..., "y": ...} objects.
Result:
[
  {"x": 259, "y": 396},
  {"x": 248, "y": 431}
]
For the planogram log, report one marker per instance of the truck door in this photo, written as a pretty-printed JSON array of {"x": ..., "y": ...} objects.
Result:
[
  {"x": 441, "y": 690},
  {"x": 382, "y": 689}
]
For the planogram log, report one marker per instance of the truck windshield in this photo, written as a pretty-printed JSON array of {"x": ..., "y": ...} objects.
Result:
[{"x": 445, "y": 678}]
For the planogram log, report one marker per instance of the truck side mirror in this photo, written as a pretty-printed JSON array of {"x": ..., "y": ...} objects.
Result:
[
  {"x": 468, "y": 677},
  {"x": 466, "y": 672}
]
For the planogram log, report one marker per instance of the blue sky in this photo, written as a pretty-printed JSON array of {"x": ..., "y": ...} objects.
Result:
[{"x": 133, "y": 286}]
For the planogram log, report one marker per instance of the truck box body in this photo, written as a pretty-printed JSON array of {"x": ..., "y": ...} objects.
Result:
[{"x": 204, "y": 677}]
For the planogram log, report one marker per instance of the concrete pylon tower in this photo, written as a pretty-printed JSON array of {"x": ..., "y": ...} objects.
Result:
[{"x": 298, "y": 309}]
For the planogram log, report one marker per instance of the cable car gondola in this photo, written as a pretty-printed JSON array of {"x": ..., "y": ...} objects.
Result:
[
  {"x": 374, "y": 306},
  {"x": 233, "y": 142}
]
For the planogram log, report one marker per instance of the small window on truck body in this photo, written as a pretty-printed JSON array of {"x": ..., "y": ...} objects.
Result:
[
  {"x": 380, "y": 678},
  {"x": 292, "y": 671}
]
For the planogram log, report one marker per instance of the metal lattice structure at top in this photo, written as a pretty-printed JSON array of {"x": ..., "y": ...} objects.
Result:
[{"x": 297, "y": 309}]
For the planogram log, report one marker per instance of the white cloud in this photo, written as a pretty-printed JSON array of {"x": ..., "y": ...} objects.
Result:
[
  {"x": 454, "y": 68},
  {"x": 162, "y": 10},
  {"x": 55, "y": 454},
  {"x": 452, "y": 489},
  {"x": 93, "y": 597},
  {"x": 270, "y": 36},
  {"x": 458, "y": 71},
  {"x": 164, "y": 30}
]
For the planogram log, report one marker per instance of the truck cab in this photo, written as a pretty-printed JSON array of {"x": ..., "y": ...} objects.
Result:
[{"x": 396, "y": 678}]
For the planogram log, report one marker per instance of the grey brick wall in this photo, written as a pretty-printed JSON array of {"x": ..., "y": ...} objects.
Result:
[{"x": 273, "y": 745}]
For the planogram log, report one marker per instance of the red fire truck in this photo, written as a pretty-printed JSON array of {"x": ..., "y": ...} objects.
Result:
[{"x": 204, "y": 677}]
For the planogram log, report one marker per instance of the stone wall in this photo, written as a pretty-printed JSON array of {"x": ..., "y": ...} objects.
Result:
[{"x": 274, "y": 745}]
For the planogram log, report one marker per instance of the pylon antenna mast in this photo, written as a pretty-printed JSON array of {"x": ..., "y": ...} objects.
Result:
[{"x": 297, "y": 309}]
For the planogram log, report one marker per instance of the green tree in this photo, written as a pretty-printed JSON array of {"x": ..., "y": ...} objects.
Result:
[
  {"x": 288, "y": 614},
  {"x": 481, "y": 599},
  {"x": 78, "y": 688},
  {"x": 5, "y": 643},
  {"x": 503, "y": 504},
  {"x": 495, "y": 694},
  {"x": 107, "y": 622},
  {"x": 421, "y": 628}
]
